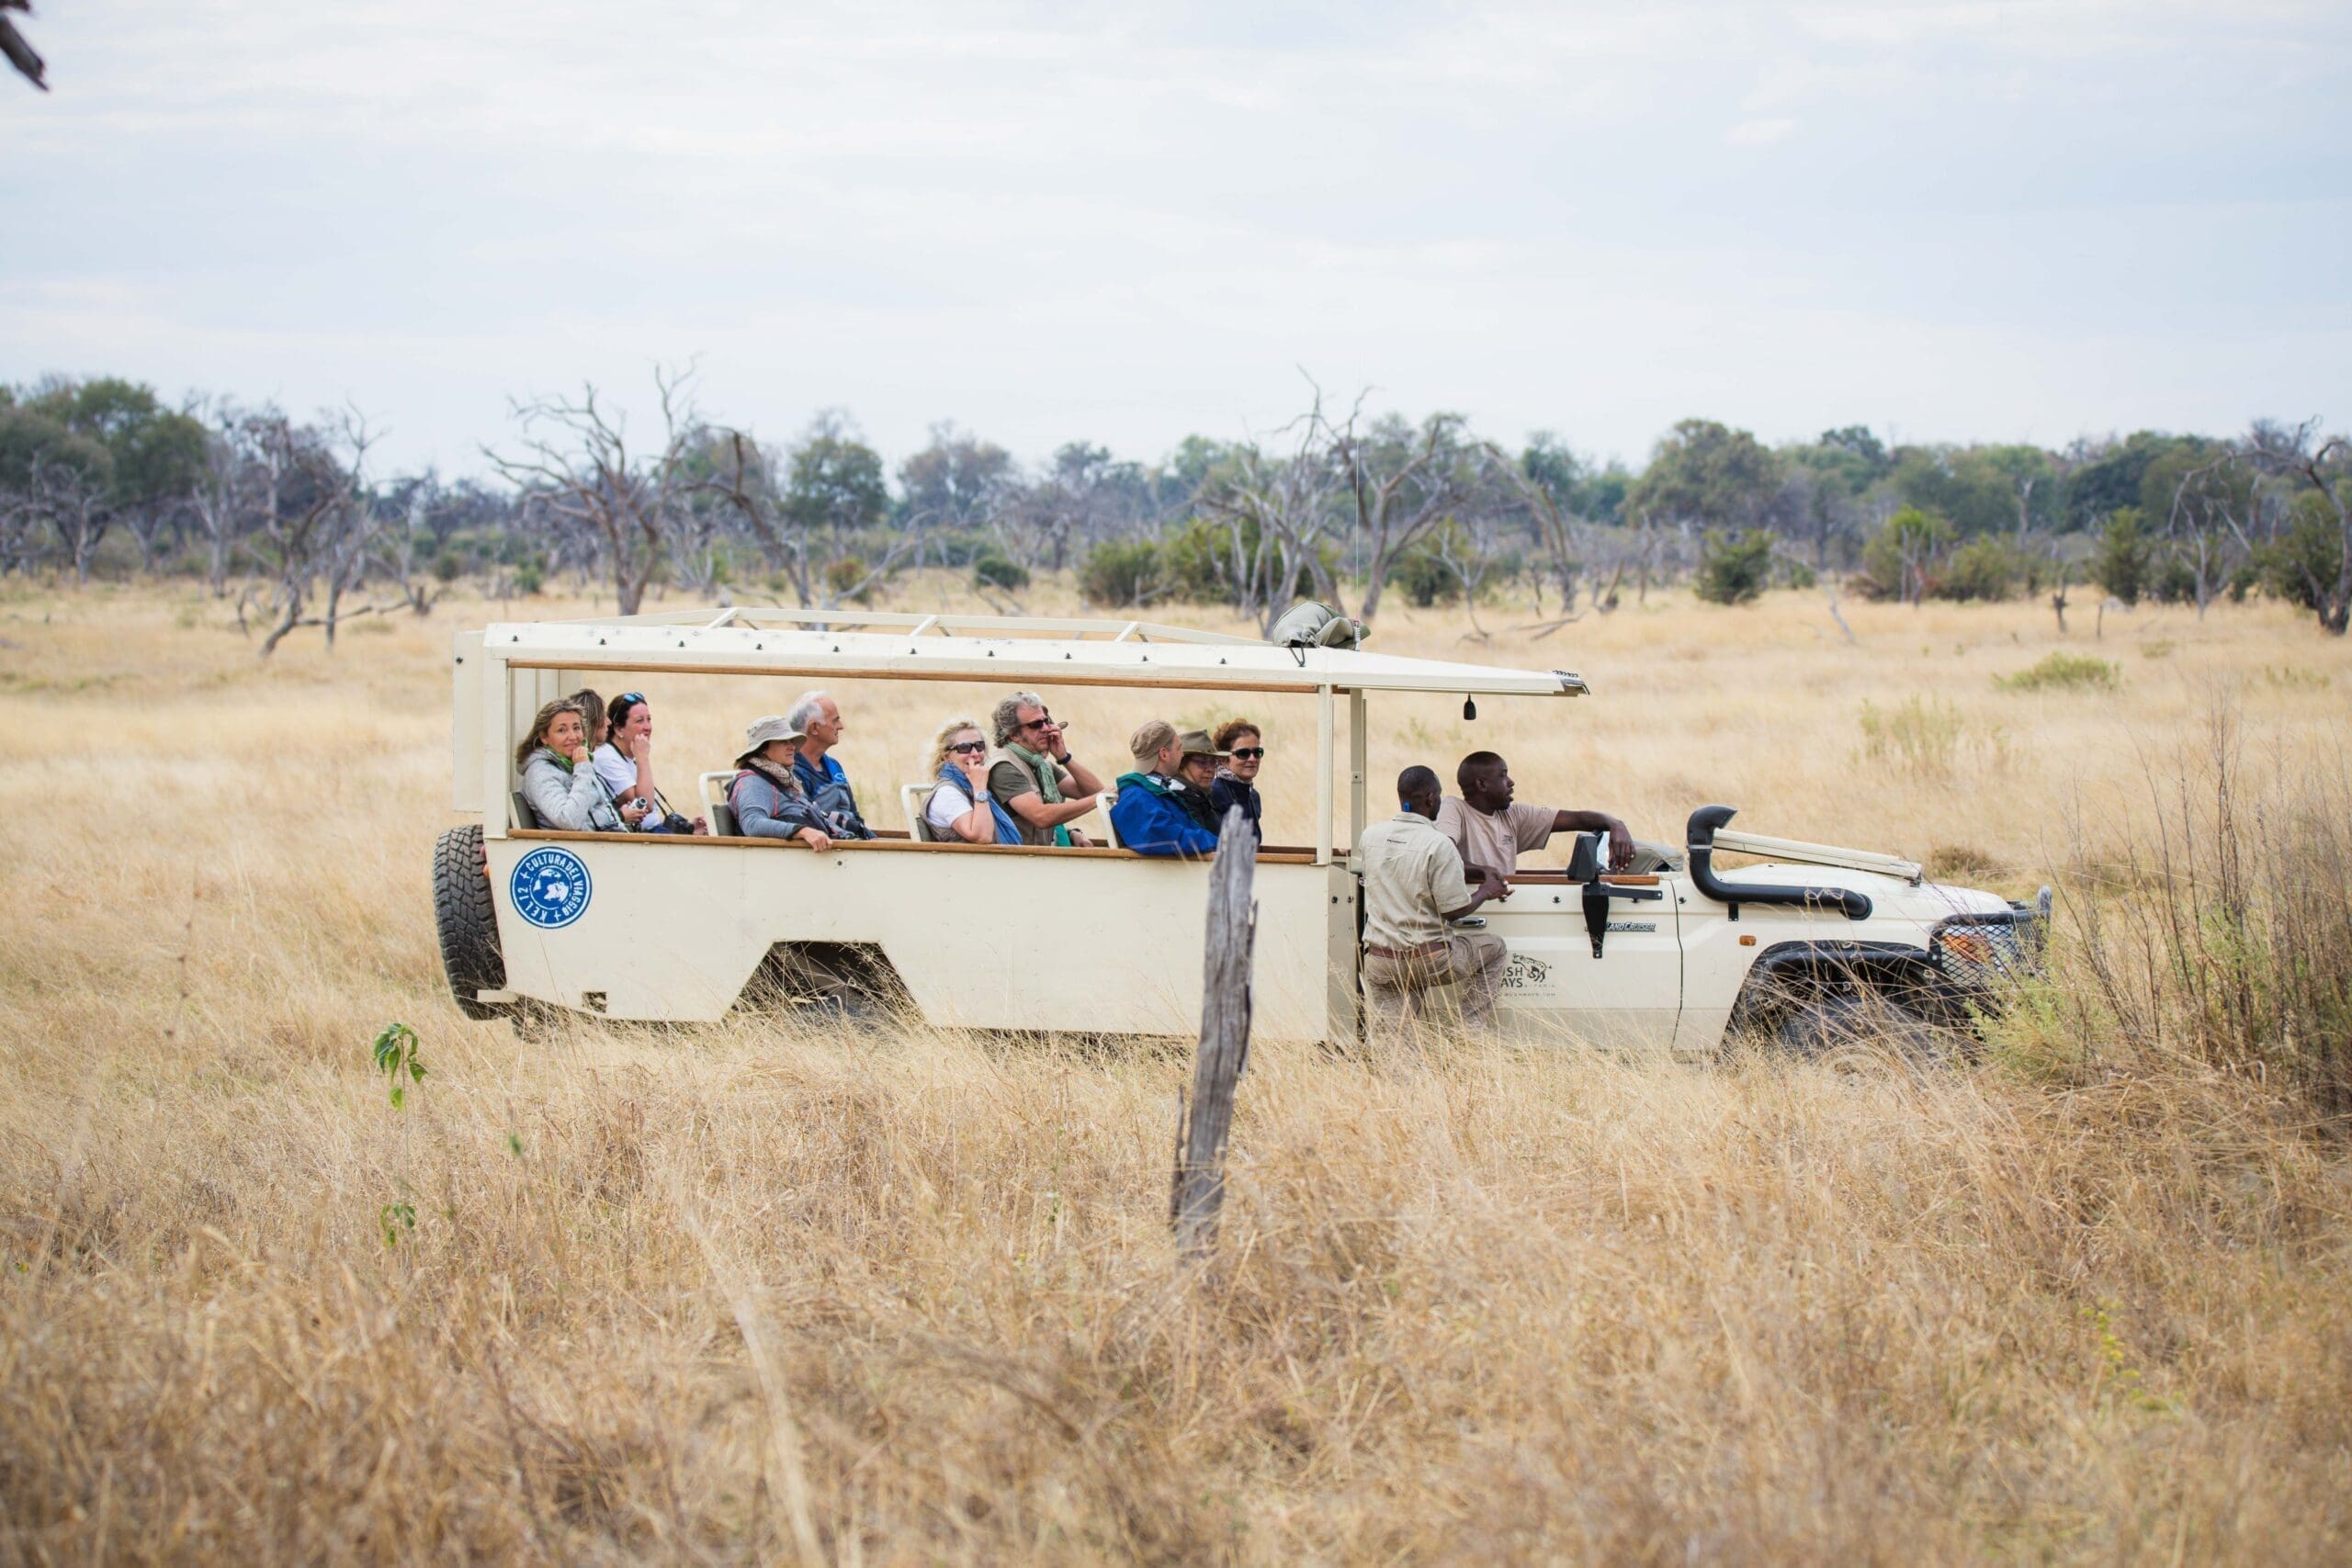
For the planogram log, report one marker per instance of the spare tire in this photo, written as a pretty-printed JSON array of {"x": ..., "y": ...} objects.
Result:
[{"x": 467, "y": 921}]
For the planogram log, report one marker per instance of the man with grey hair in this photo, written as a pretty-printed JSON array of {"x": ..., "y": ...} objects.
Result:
[
  {"x": 1034, "y": 776},
  {"x": 818, "y": 719}
]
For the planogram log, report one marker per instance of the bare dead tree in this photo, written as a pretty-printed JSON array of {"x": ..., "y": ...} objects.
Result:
[
  {"x": 2289, "y": 453},
  {"x": 1561, "y": 536},
  {"x": 574, "y": 459},
  {"x": 302, "y": 491},
  {"x": 744, "y": 485},
  {"x": 1278, "y": 512},
  {"x": 1465, "y": 546},
  {"x": 75, "y": 503},
  {"x": 1402, "y": 486}
]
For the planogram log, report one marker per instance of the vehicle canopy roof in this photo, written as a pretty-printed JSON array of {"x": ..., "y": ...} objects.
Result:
[{"x": 850, "y": 644}]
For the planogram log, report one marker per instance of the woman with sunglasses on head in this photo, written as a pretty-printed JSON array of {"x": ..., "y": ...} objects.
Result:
[
  {"x": 961, "y": 810},
  {"x": 592, "y": 714},
  {"x": 625, "y": 761},
  {"x": 1237, "y": 780}
]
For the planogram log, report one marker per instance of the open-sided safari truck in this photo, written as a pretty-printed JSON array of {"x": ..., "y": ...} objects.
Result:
[{"x": 665, "y": 929}]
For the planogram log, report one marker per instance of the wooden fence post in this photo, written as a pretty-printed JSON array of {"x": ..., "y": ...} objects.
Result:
[{"x": 1198, "y": 1189}]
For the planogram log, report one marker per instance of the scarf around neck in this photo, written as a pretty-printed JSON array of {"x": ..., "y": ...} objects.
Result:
[
  {"x": 1008, "y": 832},
  {"x": 779, "y": 775},
  {"x": 1050, "y": 783}
]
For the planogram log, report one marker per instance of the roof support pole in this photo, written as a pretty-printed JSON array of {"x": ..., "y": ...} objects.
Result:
[
  {"x": 499, "y": 734},
  {"x": 1323, "y": 726},
  {"x": 1357, "y": 745}
]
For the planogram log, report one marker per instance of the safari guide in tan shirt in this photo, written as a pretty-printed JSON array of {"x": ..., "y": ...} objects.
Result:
[
  {"x": 1491, "y": 829},
  {"x": 1413, "y": 883}
]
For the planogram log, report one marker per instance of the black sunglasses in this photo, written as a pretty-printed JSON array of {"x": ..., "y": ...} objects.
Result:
[
  {"x": 969, "y": 746},
  {"x": 1250, "y": 751}
]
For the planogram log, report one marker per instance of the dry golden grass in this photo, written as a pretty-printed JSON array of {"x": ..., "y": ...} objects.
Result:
[{"x": 757, "y": 1293}]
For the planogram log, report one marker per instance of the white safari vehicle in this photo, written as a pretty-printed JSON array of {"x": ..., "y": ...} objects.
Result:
[{"x": 678, "y": 929}]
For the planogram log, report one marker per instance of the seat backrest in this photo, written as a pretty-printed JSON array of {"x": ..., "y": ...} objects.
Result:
[
  {"x": 1584, "y": 860},
  {"x": 1110, "y": 828},
  {"x": 523, "y": 816},
  {"x": 714, "y": 799},
  {"x": 913, "y": 799}
]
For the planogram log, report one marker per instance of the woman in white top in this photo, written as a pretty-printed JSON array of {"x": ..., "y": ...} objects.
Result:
[
  {"x": 625, "y": 761},
  {"x": 961, "y": 810}
]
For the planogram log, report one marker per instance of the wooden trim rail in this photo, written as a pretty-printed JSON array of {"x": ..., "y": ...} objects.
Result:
[{"x": 892, "y": 846}]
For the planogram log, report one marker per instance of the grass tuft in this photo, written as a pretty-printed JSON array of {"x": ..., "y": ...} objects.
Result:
[{"x": 2064, "y": 671}]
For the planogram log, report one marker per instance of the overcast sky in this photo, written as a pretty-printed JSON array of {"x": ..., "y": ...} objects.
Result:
[{"x": 1049, "y": 222}]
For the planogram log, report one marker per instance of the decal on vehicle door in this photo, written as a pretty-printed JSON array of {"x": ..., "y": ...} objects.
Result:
[
  {"x": 1529, "y": 978},
  {"x": 551, "y": 887}
]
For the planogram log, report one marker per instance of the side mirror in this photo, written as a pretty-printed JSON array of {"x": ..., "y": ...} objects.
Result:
[{"x": 1584, "y": 860}]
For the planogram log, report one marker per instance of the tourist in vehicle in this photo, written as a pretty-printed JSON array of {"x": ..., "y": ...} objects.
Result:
[
  {"x": 1149, "y": 812},
  {"x": 1034, "y": 776},
  {"x": 1491, "y": 829},
  {"x": 559, "y": 780},
  {"x": 633, "y": 812},
  {"x": 1414, "y": 882},
  {"x": 962, "y": 810},
  {"x": 625, "y": 761},
  {"x": 818, "y": 719},
  {"x": 1195, "y": 781},
  {"x": 765, "y": 794},
  {"x": 1236, "y": 779}
]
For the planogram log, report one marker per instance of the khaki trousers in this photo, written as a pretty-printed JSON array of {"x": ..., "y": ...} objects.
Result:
[{"x": 1395, "y": 990}]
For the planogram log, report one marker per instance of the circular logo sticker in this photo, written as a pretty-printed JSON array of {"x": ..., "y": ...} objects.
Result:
[{"x": 551, "y": 887}]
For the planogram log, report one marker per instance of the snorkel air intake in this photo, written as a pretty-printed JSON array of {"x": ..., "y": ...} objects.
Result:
[{"x": 1701, "y": 840}]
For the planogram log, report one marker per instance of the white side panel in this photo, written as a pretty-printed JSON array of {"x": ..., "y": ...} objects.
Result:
[
  {"x": 465, "y": 721},
  {"x": 1556, "y": 992},
  {"x": 671, "y": 931}
]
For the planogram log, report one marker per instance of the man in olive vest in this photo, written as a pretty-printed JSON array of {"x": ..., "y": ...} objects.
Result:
[{"x": 1034, "y": 776}]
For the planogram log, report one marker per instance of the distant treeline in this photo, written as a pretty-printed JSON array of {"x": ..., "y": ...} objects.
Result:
[{"x": 299, "y": 520}]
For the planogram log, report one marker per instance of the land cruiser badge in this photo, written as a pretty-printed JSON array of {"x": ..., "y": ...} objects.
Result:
[{"x": 551, "y": 887}]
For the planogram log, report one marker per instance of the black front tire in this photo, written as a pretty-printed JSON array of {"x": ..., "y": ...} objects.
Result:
[
  {"x": 467, "y": 921},
  {"x": 1847, "y": 1026}
]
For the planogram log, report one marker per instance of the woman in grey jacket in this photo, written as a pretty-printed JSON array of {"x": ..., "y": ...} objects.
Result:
[{"x": 559, "y": 781}]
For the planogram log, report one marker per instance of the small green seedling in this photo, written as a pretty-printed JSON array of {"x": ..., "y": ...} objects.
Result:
[
  {"x": 396, "y": 1218},
  {"x": 395, "y": 1054}
]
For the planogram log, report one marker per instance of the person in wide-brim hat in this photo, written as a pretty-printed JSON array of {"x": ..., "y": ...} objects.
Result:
[
  {"x": 1197, "y": 757},
  {"x": 766, "y": 799},
  {"x": 763, "y": 733}
]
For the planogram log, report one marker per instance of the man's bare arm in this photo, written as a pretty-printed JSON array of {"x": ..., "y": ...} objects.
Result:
[
  {"x": 1621, "y": 841},
  {"x": 1032, "y": 808}
]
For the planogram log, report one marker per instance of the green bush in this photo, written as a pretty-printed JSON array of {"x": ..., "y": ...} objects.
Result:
[
  {"x": 1424, "y": 578},
  {"x": 993, "y": 569},
  {"x": 2063, "y": 671},
  {"x": 842, "y": 575},
  {"x": 447, "y": 566},
  {"x": 2309, "y": 553},
  {"x": 1980, "y": 569},
  {"x": 1119, "y": 572},
  {"x": 529, "y": 579},
  {"x": 2124, "y": 555},
  {"x": 1734, "y": 569},
  {"x": 1910, "y": 534}
]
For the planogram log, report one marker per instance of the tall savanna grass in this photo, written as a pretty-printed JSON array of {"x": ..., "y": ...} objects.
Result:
[
  {"x": 768, "y": 1291},
  {"x": 2221, "y": 934}
]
